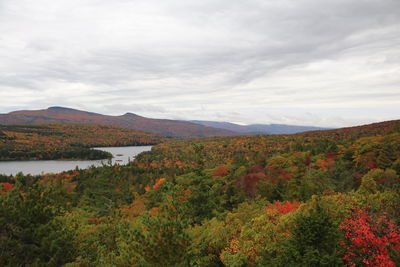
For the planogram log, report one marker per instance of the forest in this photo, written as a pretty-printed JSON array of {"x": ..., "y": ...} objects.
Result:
[
  {"x": 67, "y": 141},
  {"x": 323, "y": 198}
]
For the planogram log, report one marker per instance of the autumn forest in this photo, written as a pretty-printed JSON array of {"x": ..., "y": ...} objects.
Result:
[
  {"x": 67, "y": 141},
  {"x": 320, "y": 198}
]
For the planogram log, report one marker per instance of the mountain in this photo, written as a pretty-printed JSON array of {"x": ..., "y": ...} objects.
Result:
[
  {"x": 258, "y": 128},
  {"x": 172, "y": 128}
]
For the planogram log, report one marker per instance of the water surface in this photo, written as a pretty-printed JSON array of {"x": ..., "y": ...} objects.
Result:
[{"x": 121, "y": 155}]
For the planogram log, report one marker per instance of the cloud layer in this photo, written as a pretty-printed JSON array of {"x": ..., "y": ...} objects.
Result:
[{"x": 307, "y": 62}]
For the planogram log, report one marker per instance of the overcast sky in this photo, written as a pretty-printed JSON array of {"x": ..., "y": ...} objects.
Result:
[{"x": 306, "y": 62}]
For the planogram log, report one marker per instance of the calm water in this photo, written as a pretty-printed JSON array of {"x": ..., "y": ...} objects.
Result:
[{"x": 122, "y": 155}]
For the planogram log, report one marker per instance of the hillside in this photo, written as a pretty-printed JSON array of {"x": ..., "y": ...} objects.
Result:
[
  {"x": 66, "y": 141},
  {"x": 322, "y": 198},
  {"x": 259, "y": 128},
  {"x": 258, "y": 149},
  {"x": 172, "y": 128}
]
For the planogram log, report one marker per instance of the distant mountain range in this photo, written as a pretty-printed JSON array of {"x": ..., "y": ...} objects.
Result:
[
  {"x": 173, "y": 128},
  {"x": 259, "y": 128}
]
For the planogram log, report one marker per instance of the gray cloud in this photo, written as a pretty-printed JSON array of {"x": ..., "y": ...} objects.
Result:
[{"x": 286, "y": 61}]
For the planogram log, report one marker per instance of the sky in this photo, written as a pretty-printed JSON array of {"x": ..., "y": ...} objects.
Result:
[{"x": 330, "y": 63}]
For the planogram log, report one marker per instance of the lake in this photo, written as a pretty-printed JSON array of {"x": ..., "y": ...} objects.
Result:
[{"x": 121, "y": 155}]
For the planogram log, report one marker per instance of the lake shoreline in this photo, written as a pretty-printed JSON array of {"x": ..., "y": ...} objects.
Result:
[
  {"x": 77, "y": 159},
  {"x": 120, "y": 156}
]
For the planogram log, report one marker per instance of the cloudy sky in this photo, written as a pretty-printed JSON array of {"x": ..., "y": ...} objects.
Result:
[{"x": 306, "y": 62}]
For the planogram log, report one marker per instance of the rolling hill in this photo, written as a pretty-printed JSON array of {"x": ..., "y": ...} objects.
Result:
[
  {"x": 173, "y": 128},
  {"x": 258, "y": 128}
]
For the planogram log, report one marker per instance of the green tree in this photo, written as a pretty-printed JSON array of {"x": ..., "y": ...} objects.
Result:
[
  {"x": 313, "y": 242},
  {"x": 30, "y": 231},
  {"x": 162, "y": 241}
]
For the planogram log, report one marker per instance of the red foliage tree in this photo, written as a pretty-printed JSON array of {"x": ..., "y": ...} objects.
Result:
[
  {"x": 221, "y": 171},
  {"x": 249, "y": 182},
  {"x": 285, "y": 207},
  {"x": 367, "y": 241},
  {"x": 7, "y": 187}
]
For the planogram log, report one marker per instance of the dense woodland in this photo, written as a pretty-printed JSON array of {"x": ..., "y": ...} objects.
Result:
[
  {"x": 324, "y": 198},
  {"x": 67, "y": 141}
]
